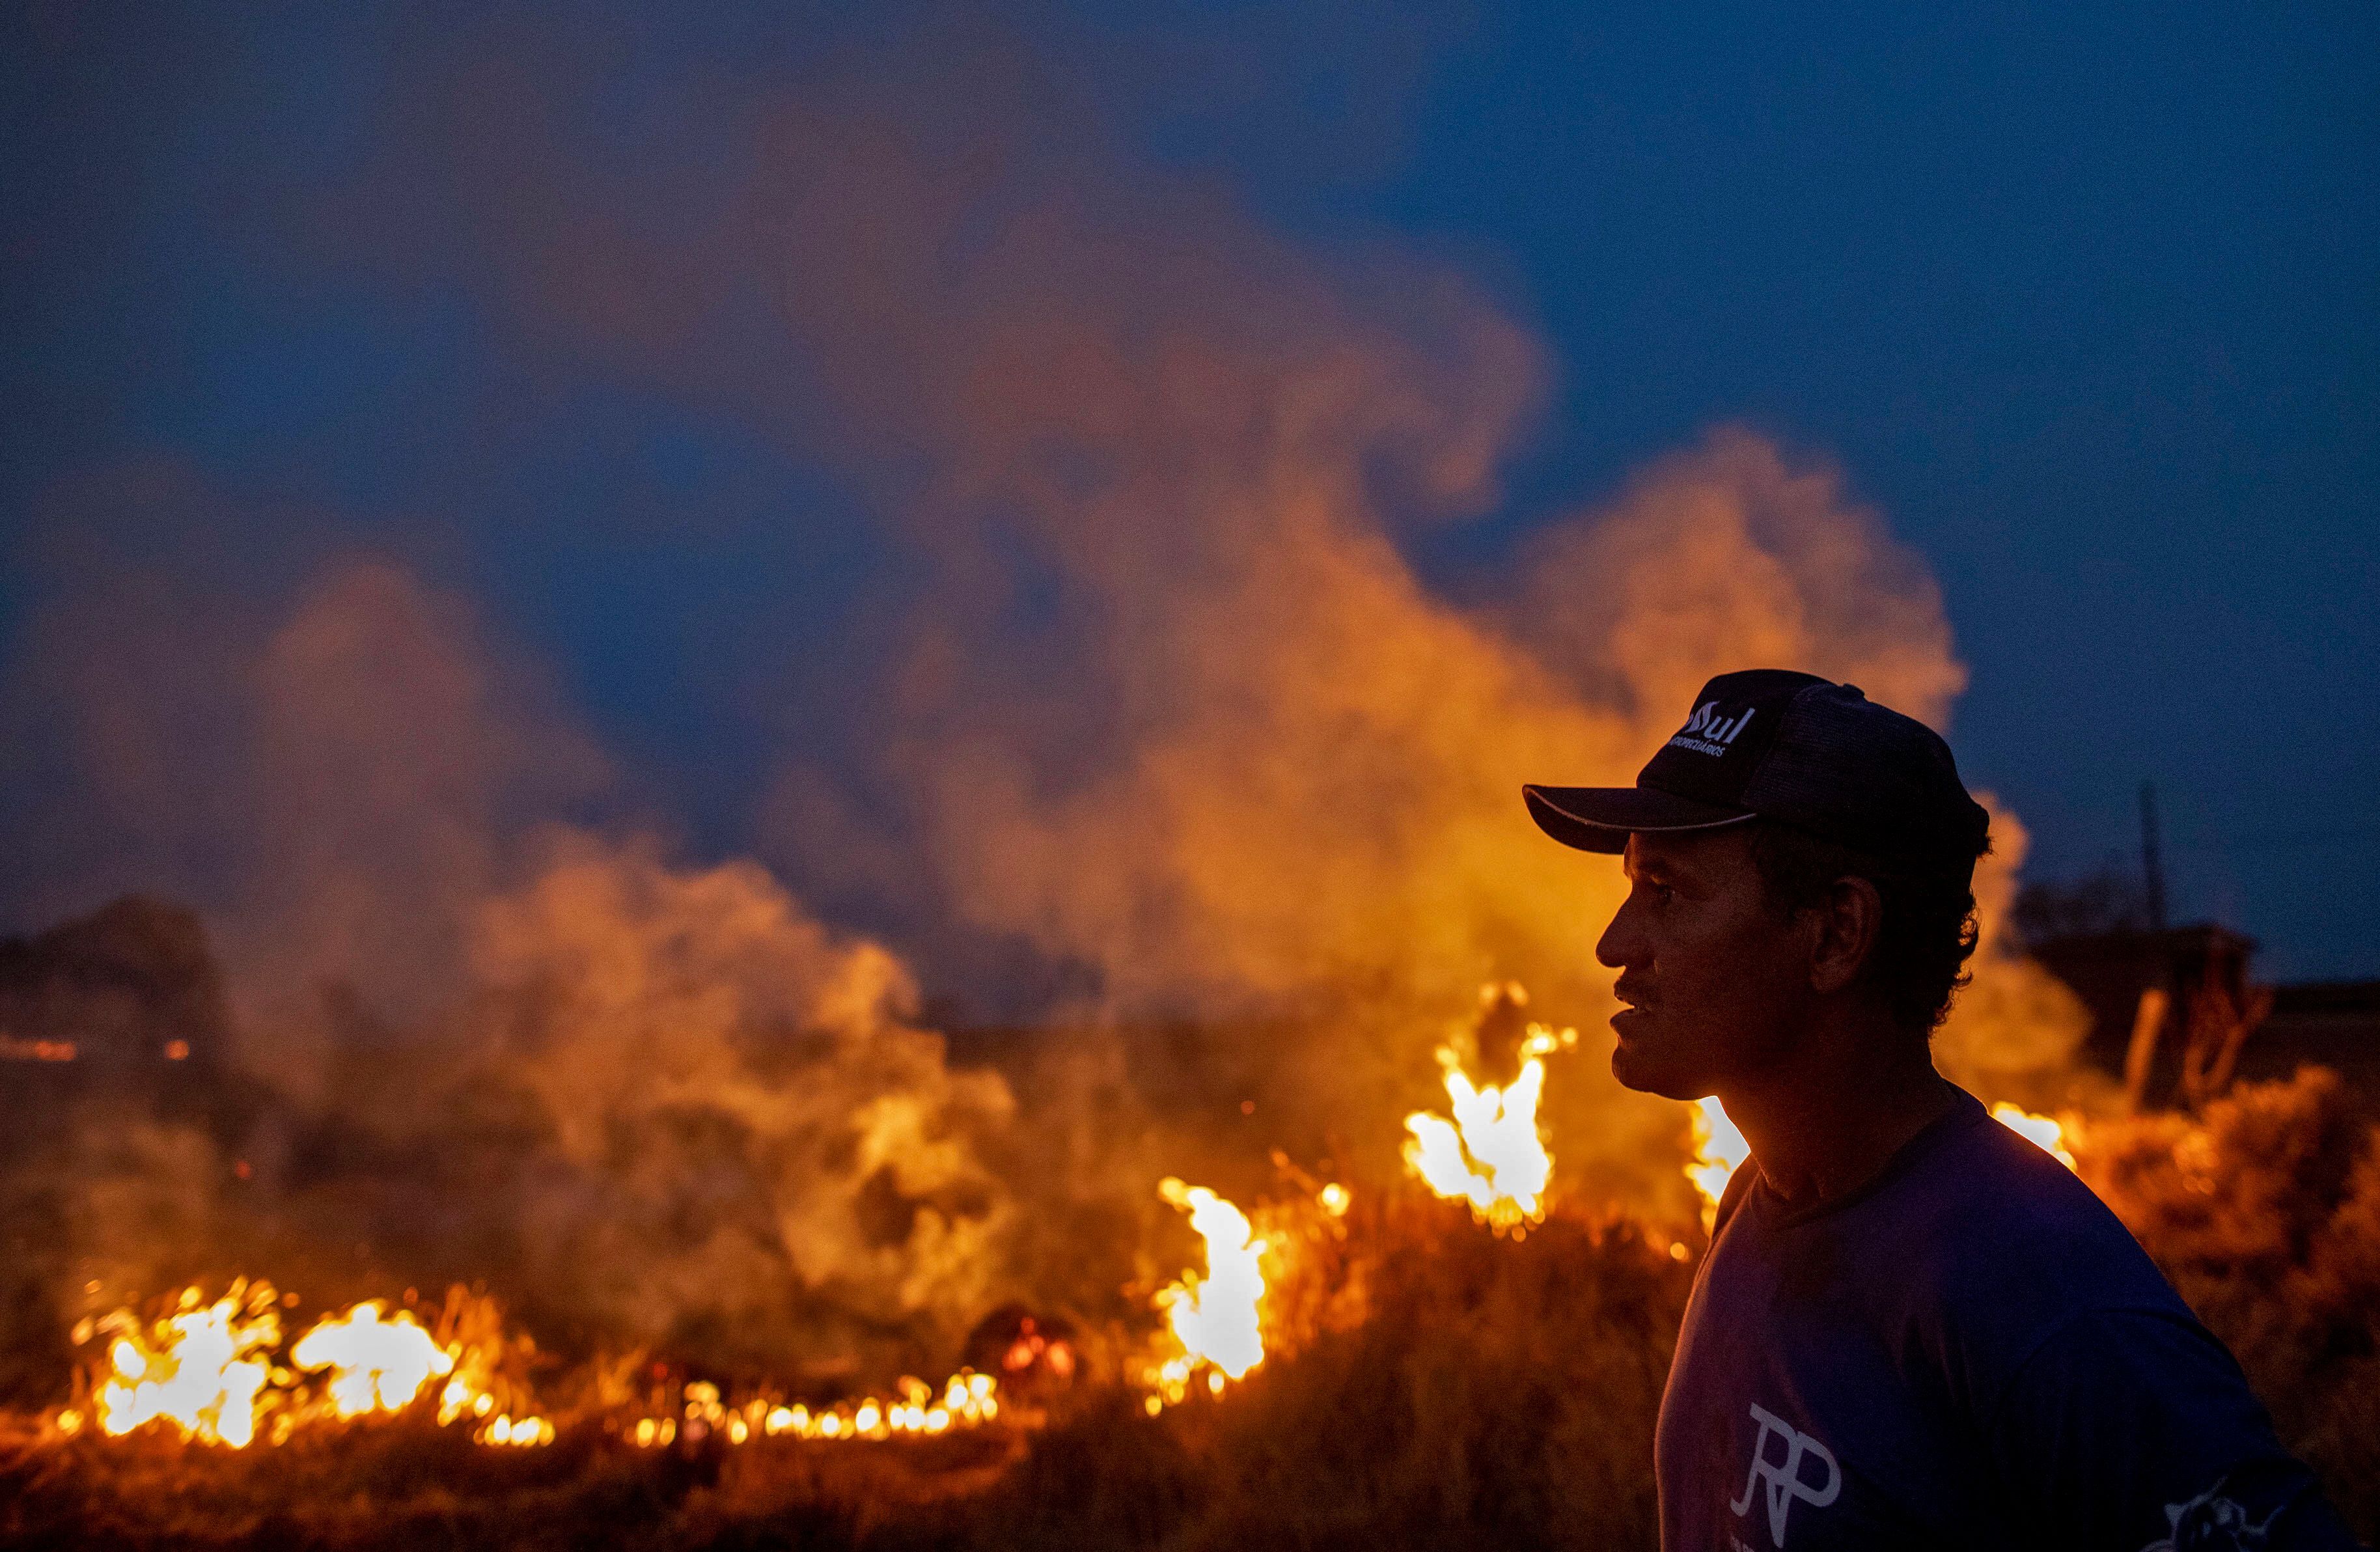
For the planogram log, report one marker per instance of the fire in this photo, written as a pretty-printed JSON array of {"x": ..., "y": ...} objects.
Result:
[
  {"x": 375, "y": 1364},
  {"x": 967, "y": 1399},
  {"x": 202, "y": 1369},
  {"x": 1492, "y": 1154},
  {"x": 1214, "y": 1319},
  {"x": 1720, "y": 1147},
  {"x": 218, "y": 1372},
  {"x": 2045, "y": 1133}
]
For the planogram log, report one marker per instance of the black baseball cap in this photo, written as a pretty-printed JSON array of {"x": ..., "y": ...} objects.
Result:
[{"x": 1769, "y": 743}]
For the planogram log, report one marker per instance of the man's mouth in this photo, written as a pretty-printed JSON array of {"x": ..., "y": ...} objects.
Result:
[{"x": 1631, "y": 1019}]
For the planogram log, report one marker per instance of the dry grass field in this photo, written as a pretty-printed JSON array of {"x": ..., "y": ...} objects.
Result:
[{"x": 1437, "y": 1387}]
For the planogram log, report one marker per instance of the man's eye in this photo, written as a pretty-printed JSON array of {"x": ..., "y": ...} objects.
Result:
[{"x": 1661, "y": 893}]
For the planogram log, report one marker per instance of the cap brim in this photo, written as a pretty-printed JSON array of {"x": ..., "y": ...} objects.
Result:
[{"x": 1602, "y": 818}]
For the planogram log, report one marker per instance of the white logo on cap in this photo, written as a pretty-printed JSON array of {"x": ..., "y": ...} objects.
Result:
[{"x": 1709, "y": 731}]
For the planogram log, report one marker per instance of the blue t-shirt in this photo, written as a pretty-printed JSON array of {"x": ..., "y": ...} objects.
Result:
[{"x": 1969, "y": 1351}]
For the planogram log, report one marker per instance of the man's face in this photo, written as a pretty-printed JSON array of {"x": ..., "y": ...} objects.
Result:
[{"x": 1715, "y": 979}]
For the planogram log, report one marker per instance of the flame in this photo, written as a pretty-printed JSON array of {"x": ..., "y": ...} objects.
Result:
[
  {"x": 1491, "y": 1154},
  {"x": 203, "y": 1368},
  {"x": 215, "y": 1372},
  {"x": 2045, "y": 1133},
  {"x": 375, "y": 1364},
  {"x": 967, "y": 1400},
  {"x": 218, "y": 1374},
  {"x": 1720, "y": 1147},
  {"x": 517, "y": 1431},
  {"x": 1213, "y": 1320}
]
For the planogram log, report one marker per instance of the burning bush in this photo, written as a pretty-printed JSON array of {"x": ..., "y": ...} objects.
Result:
[
  {"x": 1494, "y": 1393},
  {"x": 2265, "y": 1212}
]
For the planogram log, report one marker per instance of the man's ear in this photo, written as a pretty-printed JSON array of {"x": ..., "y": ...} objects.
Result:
[{"x": 1848, "y": 922}]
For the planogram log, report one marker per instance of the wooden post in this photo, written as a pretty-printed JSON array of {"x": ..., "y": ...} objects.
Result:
[{"x": 2148, "y": 1022}]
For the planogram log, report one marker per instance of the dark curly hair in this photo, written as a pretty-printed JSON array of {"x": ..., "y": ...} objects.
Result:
[{"x": 1928, "y": 930}]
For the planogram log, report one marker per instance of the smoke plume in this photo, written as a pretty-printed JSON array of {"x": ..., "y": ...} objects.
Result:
[{"x": 1152, "y": 722}]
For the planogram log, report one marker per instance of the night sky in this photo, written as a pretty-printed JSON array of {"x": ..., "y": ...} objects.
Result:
[{"x": 2084, "y": 301}]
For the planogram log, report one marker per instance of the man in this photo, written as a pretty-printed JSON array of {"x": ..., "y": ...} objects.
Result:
[{"x": 1914, "y": 1329}]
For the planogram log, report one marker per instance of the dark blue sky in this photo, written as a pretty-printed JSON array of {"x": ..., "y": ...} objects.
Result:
[{"x": 2085, "y": 300}]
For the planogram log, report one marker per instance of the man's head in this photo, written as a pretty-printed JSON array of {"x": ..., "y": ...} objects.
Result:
[
  {"x": 1736, "y": 944},
  {"x": 1797, "y": 854}
]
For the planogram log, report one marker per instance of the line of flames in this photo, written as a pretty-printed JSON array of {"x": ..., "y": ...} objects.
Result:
[
  {"x": 967, "y": 1399},
  {"x": 218, "y": 1372}
]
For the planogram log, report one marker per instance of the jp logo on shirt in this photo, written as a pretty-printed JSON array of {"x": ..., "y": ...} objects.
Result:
[
  {"x": 2212, "y": 1523},
  {"x": 1784, "y": 1478},
  {"x": 1709, "y": 731}
]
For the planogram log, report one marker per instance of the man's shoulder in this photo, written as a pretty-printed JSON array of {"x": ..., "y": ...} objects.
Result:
[{"x": 2003, "y": 1244}]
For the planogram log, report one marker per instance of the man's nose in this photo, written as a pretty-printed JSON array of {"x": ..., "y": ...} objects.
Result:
[{"x": 1621, "y": 945}]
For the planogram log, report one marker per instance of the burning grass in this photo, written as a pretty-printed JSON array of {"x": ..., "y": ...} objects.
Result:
[
  {"x": 1436, "y": 1384},
  {"x": 1471, "y": 1356},
  {"x": 1425, "y": 1381}
]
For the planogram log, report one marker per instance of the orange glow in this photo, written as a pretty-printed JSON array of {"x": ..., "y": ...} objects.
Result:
[{"x": 13, "y": 1048}]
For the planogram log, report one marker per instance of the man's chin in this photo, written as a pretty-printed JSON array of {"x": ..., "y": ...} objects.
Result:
[{"x": 1640, "y": 1069}]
